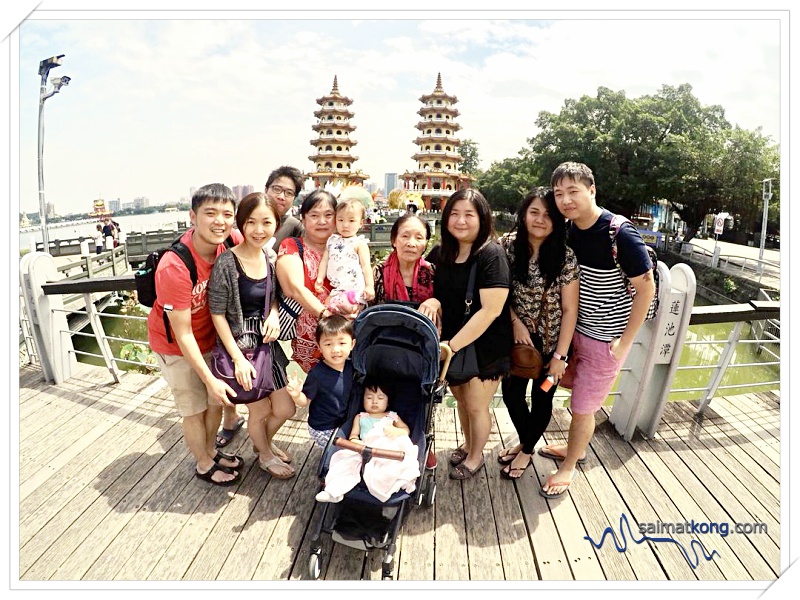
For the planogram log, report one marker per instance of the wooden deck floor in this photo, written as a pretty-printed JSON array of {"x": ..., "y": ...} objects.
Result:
[{"x": 107, "y": 493}]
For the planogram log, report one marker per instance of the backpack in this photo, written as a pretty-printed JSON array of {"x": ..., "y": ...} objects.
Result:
[
  {"x": 145, "y": 276},
  {"x": 613, "y": 229}
]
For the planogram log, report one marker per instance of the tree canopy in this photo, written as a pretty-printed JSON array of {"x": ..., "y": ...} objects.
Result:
[{"x": 662, "y": 146}]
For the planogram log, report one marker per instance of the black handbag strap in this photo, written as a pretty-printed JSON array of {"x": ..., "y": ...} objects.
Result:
[{"x": 470, "y": 291}]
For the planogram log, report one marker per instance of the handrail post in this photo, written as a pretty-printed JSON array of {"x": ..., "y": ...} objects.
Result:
[
  {"x": 722, "y": 366},
  {"x": 100, "y": 335}
]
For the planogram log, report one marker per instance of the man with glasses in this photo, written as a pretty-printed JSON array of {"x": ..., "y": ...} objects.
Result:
[{"x": 283, "y": 185}]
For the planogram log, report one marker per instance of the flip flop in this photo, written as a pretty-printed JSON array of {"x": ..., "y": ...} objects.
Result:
[
  {"x": 224, "y": 436},
  {"x": 505, "y": 473},
  {"x": 275, "y": 462},
  {"x": 550, "y": 452},
  {"x": 209, "y": 475},
  {"x": 544, "y": 494},
  {"x": 287, "y": 458},
  {"x": 507, "y": 458}
]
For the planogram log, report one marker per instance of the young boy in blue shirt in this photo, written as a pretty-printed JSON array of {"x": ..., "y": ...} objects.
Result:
[{"x": 326, "y": 390}]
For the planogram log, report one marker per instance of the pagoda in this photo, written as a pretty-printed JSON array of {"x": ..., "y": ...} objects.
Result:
[
  {"x": 437, "y": 174},
  {"x": 333, "y": 162}
]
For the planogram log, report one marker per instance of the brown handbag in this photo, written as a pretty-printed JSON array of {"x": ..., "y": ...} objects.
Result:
[{"x": 527, "y": 361}]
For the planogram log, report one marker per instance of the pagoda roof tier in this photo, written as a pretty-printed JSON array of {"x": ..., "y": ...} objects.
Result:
[
  {"x": 427, "y": 110},
  {"x": 432, "y": 154},
  {"x": 437, "y": 137},
  {"x": 343, "y": 125},
  {"x": 437, "y": 174},
  {"x": 333, "y": 138},
  {"x": 425, "y": 124},
  {"x": 327, "y": 140},
  {"x": 334, "y": 110},
  {"x": 340, "y": 174},
  {"x": 334, "y": 95},
  {"x": 333, "y": 155},
  {"x": 438, "y": 92}
]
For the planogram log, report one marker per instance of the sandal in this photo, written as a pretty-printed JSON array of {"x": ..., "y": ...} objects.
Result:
[
  {"x": 510, "y": 472},
  {"x": 209, "y": 475},
  {"x": 224, "y": 436},
  {"x": 287, "y": 458},
  {"x": 234, "y": 458},
  {"x": 507, "y": 458},
  {"x": 550, "y": 451},
  {"x": 458, "y": 456},
  {"x": 276, "y": 462},
  {"x": 461, "y": 471},
  {"x": 564, "y": 483}
]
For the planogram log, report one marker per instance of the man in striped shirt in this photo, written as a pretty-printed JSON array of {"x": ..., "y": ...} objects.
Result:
[{"x": 608, "y": 318}]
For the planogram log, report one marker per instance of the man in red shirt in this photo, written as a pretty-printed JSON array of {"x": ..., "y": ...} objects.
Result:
[{"x": 184, "y": 361}]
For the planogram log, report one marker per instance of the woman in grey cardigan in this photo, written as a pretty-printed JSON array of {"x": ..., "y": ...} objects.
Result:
[{"x": 244, "y": 310}]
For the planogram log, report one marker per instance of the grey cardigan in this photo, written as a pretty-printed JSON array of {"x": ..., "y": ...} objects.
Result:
[{"x": 223, "y": 290}]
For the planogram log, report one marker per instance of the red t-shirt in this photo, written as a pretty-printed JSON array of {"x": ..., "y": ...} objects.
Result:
[{"x": 174, "y": 285}]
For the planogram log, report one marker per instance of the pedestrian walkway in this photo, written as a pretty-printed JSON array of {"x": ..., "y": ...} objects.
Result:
[{"x": 740, "y": 260}]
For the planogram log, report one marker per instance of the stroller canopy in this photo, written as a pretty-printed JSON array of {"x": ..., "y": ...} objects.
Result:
[{"x": 398, "y": 342}]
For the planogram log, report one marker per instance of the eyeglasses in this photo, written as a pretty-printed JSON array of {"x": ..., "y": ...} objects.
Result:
[{"x": 278, "y": 190}]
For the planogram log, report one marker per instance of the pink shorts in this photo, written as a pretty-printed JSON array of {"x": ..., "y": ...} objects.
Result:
[{"x": 591, "y": 374}]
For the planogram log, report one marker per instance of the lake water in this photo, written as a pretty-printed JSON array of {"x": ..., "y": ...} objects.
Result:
[{"x": 128, "y": 223}]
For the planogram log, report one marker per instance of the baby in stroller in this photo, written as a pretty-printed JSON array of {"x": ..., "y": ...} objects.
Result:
[{"x": 377, "y": 428}]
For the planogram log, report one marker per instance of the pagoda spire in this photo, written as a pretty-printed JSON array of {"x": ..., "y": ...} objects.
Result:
[
  {"x": 335, "y": 89},
  {"x": 438, "y": 83}
]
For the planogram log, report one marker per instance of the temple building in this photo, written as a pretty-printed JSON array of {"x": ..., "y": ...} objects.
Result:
[
  {"x": 333, "y": 162},
  {"x": 437, "y": 175}
]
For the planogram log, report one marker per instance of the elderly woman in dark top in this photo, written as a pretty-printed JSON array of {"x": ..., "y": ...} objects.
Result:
[
  {"x": 241, "y": 281},
  {"x": 404, "y": 276},
  {"x": 544, "y": 311},
  {"x": 468, "y": 239}
]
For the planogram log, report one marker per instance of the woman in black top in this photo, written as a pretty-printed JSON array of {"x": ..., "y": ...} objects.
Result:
[{"x": 468, "y": 238}]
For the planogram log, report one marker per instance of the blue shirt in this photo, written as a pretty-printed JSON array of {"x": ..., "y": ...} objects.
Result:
[{"x": 329, "y": 393}]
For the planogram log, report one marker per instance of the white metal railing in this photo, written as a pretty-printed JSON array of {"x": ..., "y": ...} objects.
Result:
[{"x": 733, "y": 262}]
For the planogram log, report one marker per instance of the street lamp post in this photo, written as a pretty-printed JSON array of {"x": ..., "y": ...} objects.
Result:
[
  {"x": 766, "y": 195},
  {"x": 57, "y": 82}
]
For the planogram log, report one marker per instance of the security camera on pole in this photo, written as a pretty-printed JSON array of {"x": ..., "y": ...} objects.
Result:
[{"x": 57, "y": 82}]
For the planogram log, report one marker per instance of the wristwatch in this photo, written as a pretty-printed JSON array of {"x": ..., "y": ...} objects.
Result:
[{"x": 557, "y": 356}]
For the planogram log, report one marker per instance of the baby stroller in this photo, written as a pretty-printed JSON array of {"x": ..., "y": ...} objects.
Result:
[{"x": 400, "y": 348}]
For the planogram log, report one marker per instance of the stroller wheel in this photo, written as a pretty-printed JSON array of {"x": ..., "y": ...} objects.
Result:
[
  {"x": 387, "y": 571},
  {"x": 315, "y": 565},
  {"x": 430, "y": 492}
]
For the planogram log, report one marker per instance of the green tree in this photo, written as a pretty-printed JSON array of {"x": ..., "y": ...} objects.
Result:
[
  {"x": 469, "y": 152},
  {"x": 504, "y": 183}
]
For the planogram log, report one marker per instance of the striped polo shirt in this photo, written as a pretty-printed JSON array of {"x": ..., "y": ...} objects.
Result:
[{"x": 604, "y": 304}]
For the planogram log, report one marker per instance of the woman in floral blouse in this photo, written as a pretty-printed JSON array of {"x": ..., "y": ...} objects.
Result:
[{"x": 544, "y": 310}]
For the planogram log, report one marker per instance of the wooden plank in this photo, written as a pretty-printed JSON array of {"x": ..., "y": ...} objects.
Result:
[
  {"x": 515, "y": 546},
  {"x": 741, "y": 440},
  {"x": 730, "y": 471},
  {"x": 756, "y": 435},
  {"x": 582, "y": 557},
  {"x": 451, "y": 551},
  {"x": 551, "y": 561},
  {"x": 53, "y": 544},
  {"x": 660, "y": 493},
  {"x": 48, "y": 499},
  {"x": 243, "y": 558},
  {"x": 640, "y": 561},
  {"x": 742, "y": 561},
  {"x": 751, "y": 407},
  {"x": 215, "y": 551},
  {"x": 86, "y": 436},
  {"x": 732, "y": 504}
]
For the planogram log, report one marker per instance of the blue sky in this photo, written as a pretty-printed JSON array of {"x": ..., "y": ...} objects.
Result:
[{"x": 158, "y": 105}]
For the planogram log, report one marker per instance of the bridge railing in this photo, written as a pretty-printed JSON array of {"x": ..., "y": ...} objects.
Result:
[{"x": 642, "y": 389}]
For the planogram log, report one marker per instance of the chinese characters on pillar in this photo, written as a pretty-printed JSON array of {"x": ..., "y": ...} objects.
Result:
[{"x": 667, "y": 334}]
